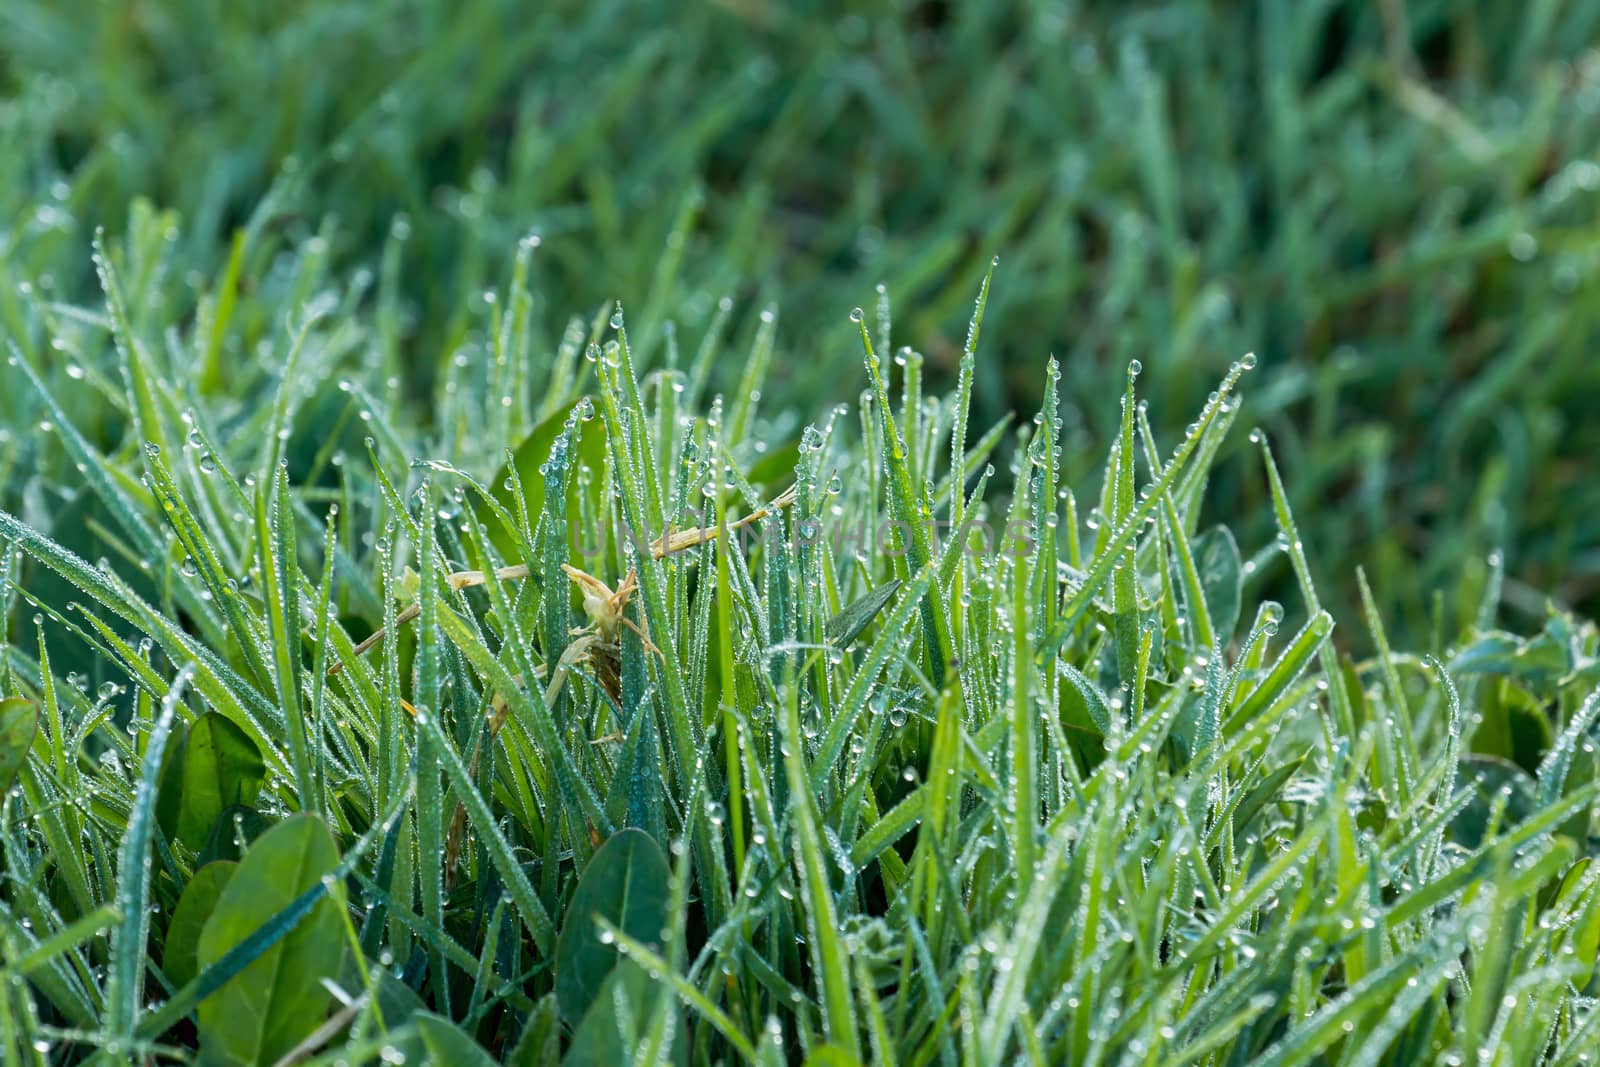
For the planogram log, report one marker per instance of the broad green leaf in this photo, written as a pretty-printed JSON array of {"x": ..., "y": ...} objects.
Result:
[
  {"x": 1492, "y": 782},
  {"x": 269, "y": 934},
  {"x": 1084, "y": 706},
  {"x": 1512, "y": 725},
  {"x": 180, "y": 956},
  {"x": 625, "y": 883},
  {"x": 169, "y": 794},
  {"x": 394, "y": 1000},
  {"x": 1541, "y": 662},
  {"x": 617, "y": 1020},
  {"x": 236, "y": 827},
  {"x": 540, "y": 1043},
  {"x": 856, "y": 616},
  {"x": 1216, "y": 557},
  {"x": 530, "y": 455},
  {"x": 19, "y": 722},
  {"x": 446, "y": 1044},
  {"x": 775, "y": 469},
  {"x": 222, "y": 768},
  {"x": 1493, "y": 653},
  {"x": 279, "y": 999}
]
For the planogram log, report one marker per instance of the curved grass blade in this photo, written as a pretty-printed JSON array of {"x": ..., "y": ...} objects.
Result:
[{"x": 125, "y": 978}]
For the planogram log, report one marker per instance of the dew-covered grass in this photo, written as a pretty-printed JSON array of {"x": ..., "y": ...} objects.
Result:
[
  {"x": 708, "y": 728},
  {"x": 1392, "y": 203},
  {"x": 411, "y": 653}
]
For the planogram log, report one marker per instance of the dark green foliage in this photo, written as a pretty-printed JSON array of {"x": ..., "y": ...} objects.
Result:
[
  {"x": 407, "y": 653},
  {"x": 625, "y": 883},
  {"x": 280, "y": 998},
  {"x": 1392, "y": 203},
  {"x": 19, "y": 721}
]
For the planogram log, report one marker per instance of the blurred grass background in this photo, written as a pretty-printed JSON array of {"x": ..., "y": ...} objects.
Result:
[{"x": 1396, "y": 204}]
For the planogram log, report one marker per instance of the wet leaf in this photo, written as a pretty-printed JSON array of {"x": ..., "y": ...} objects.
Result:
[
  {"x": 531, "y": 454},
  {"x": 856, "y": 616},
  {"x": 232, "y": 833},
  {"x": 275, "y": 1002},
  {"x": 1491, "y": 779},
  {"x": 626, "y": 883},
  {"x": 19, "y": 722},
  {"x": 180, "y": 957},
  {"x": 1216, "y": 557},
  {"x": 540, "y": 1043},
  {"x": 616, "y": 1022},
  {"x": 445, "y": 1043},
  {"x": 221, "y": 768}
]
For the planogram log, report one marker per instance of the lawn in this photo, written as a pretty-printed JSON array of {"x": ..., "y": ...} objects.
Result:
[{"x": 894, "y": 533}]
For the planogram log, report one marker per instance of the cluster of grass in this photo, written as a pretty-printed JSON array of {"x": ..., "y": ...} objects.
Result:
[
  {"x": 408, "y": 655},
  {"x": 699, "y": 728},
  {"x": 1393, "y": 203}
]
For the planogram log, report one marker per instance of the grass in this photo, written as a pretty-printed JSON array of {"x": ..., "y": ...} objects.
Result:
[
  {"x": 411, "y": 653},
  {"x": 892, "y": 751},
  {"x": 1393, "y": 204}
]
